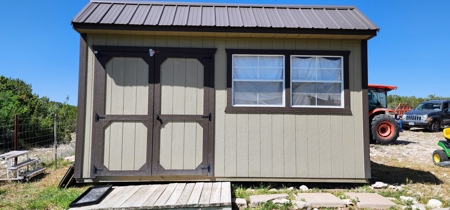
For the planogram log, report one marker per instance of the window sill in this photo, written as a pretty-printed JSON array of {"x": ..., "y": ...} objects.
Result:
[{"x": 288, "y": 110}]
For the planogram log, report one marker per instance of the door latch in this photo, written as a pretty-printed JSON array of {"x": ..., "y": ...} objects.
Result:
[
  {"x": 98, "y": 117},
  {"x": 209, "y": 117}
]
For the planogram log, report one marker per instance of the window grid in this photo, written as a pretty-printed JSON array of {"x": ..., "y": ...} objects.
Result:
[
  {"x": 259, "y": 67},
  {"x": 317, "y": 70}
]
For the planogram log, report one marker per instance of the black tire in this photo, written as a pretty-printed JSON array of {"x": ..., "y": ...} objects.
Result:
[
  {"x": 435, "y": 126},
  {"x": 384, "y": 129},
  {"x": 439, "y": 156}
]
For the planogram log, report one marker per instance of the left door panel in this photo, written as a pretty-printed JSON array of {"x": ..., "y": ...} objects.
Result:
[{"x": 122, "y": 125}]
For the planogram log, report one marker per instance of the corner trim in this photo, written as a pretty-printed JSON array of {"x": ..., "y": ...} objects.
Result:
[
  {"x": 364, "y": 92},
  {"x": 81, "y": 110}
]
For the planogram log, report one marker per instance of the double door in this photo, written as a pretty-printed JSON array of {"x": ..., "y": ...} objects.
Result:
[{"x": 153, "y": 111}]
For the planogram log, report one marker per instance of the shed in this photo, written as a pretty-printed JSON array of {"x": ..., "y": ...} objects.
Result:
[{"x": 222, "y": 92}]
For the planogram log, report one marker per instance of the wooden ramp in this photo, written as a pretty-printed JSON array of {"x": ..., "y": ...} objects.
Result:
[{"x": 200, "y": 195}]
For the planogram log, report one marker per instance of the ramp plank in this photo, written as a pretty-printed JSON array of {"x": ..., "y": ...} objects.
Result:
[
  {"x": 154, "y": 197},
  {"x": 206, "y": 195},
  {"x": 166, "y": 195},
  {"x": 225, "y": 198},
  {"x": 216, "y": 190},
  {"x": 116, "y": 198},
  {"x": 195, "y": 196},
  {"x": 175, "y": 195},
  {"x": 185, "y": 195},
  {"x": 140, "y": 196}
]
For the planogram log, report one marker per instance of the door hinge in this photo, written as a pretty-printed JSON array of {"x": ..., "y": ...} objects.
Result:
[
  {"x": 208, "y": 116},
  {"x": 207, "y": 168},
  {"x": 97, "y": 169}
]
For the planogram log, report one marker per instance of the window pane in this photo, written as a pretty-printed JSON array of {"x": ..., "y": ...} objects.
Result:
[
  {"x": 261, "y": 93},
  {"x": 298, "y": 87},
  {"x": 271, "y": 61},
  {"x": 329, "y": 74},
  {"x": 245, "y": 93},
  {"x": 245, "y": 73},
  {"x": 303, "y": 62},
  {"x": 305, "y": 100},
  {"x": 304, "y": 74},
  {"x": 245, "y": 61},
  {"x": 329, "y": 100},
  {"x": 271, "y": 73},
  {"x": 270, "y": 93},
  {"x": 329, "y": 62},
  {"x": 329, "y": 88}
]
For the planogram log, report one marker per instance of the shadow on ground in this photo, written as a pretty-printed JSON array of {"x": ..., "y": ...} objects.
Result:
[{"x": 396, "y": 175}]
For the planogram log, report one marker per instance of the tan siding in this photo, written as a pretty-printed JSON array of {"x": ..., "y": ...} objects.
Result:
[
  {"x": 301, "y": 146},
  {"x": 254, "y": 145},
  {"x": 289, "y": 145},
  {"x": 267, "y": 161},
  {"x": 221, "y": 102},
  {"x": 242, "y": 140},
  {"x": 277, "y": 145},
  {"x": 128, "y": 145}
]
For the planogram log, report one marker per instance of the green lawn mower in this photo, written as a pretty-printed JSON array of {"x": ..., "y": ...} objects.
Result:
[{"x": 441, "y": 157}]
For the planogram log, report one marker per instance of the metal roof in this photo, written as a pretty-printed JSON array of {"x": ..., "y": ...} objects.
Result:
[{"x": 222, "y": 15}]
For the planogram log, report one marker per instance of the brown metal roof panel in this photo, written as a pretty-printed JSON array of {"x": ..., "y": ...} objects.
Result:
[
  {"x": 369, "y": 24},
  {"x": 140, "y": 15},
  {"x": 274, "y": 18},
  {"x": 221, "y": 16},
  {"x": 98, "y": 13},
  {"x": 208, "y": 16},
  {"x": 85, "y": 12},
  {"x": 287, "y": 18},
  {"x": 167, "y": 15},
  {"x": 354, "y": 21},
  {"x": 340, "y": 19},
  {"x": 195, "y": 16},
  {"x": 248, "y": 19},
  {"x": 234, "y": 15},
  {"x": 181, "y": 16},
  {"x": 325, "y": 18},
  {"x": 127, "y": 14},
  {"x": 313, "y": 19},
  {"x": 261, "y": 17},
  {"x": 300, "y": 18},
  {"x": 112, "y": 14},
  {"x": 154, "y": 15}
]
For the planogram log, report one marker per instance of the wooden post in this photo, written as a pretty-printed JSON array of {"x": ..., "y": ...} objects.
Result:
[
  {"x": 16, "y": 135},
  {"x": 55, "y": 141}
]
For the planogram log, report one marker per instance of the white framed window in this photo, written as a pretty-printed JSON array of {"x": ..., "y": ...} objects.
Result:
[
  {"x": 258, "y": 80},
  {"x": 317, "y": 81}
]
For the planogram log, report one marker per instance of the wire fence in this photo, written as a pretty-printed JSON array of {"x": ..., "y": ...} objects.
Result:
[{"x": 24, "y": 134}]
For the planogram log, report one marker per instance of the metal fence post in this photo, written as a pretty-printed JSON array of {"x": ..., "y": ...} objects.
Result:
[
  {"x": 55, "y": 141},
  {"x": 16, "y": 135}
]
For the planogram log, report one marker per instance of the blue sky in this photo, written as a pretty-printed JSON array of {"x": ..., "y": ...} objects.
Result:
[{"x": 411, "y": 51}]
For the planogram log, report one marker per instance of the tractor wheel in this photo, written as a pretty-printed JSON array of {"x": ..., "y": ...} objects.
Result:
[
  {"x": 439, "y": 156},
  {"x": 384, "y": 129},
  {"x": 435, "y": 126}
]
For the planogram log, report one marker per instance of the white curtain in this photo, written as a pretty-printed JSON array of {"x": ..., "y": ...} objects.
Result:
[
  {"x": 316, "y": 81},
  {"x": 258, "y": 80}
]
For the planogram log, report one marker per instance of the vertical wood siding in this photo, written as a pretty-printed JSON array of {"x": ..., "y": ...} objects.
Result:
[
  {"x": 274, "y": 145},
  {"x": 181, "y": 93}
]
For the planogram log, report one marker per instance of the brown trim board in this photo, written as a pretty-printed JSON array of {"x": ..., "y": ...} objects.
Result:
[
  {"x": 81, "y": 107},
  {"x": 287, "y": 109},
  {"x": 366, "y": 125}
]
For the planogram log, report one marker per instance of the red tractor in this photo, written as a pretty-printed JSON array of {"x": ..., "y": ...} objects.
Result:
[{"x": 384, "y": 128}]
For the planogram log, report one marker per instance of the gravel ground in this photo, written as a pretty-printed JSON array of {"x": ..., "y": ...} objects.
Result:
[{"x": 415, "y": 145}]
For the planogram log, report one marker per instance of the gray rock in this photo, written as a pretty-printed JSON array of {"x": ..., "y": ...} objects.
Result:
[
  {"x": 300, "y": 205},
  {"x": 255, "y": 200},
  {"x": 433, "y": 203},
  {"x": 70, "y": 159},
  {"x": 290, "y": 188},
  {"x": 303, "y": 188},
  {"x": 280, "y": 201},
  {"x": 379, "y": 185},
  {"x": 240, "y": 203},
  {"x": 418, "y": 206},
  {"x": 348, "y": 202},
  {"x": 273, "y": 190},
  {"x": 406, "y": 198}
]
